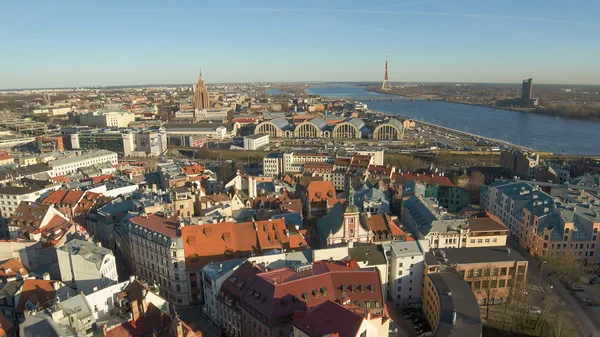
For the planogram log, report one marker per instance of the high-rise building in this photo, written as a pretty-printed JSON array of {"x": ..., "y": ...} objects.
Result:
[
  {"x": 527, "y": 89},
  {"x": 201, "y": 97}
]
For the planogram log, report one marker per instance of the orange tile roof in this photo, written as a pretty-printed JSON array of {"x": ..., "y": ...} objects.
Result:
[
  {"x": 61, "y": 179},
  {"x": 320, "y": 190},
  {"x": 4, "y": 155},
  {"x": 39, "y": 292},
  {"x": 11, "y": 268},
  {"x": 68, "y": 198},
  {"x": 192, "y": 169},
  {"x": 221, "y": 241}
]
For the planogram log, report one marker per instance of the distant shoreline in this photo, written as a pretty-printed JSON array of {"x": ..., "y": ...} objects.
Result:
[{"x": 534, "y": 111}]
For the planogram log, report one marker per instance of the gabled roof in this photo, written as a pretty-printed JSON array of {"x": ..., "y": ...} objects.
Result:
[
  {"x": 66, "y": 198},
  {"x": 10, "y": 268},
  {"x": 38, "y": 292},
  {"x": 237, "y": 284},
  {"x": 320, "y": 190},
  {"x": 283, "y": 291}
]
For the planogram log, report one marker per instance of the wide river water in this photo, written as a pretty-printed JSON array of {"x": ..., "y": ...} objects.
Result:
[{"x": 546, "y": 133}]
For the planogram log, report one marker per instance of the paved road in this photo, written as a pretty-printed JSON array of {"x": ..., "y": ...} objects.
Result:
[{"x": 587, "y": 326}]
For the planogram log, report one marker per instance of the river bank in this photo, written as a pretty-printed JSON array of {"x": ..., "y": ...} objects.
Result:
[{"x": 523, "y": 110}]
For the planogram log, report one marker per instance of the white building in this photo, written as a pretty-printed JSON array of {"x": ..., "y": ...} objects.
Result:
[
  {"x": 11, "y": 196},
  {"x": 376, "y": 155},
  {"x": 213, "y": 275},
  {"x": 52, "y": 110},
  {"x": 86, "y": 265},
  {"x": 273, "y": 165},
  {"x": 70, "y": 165},
  {"x": 211, "y": 115},
  {"x": 294, "y": 161},
  {"x": 213, "y": 131},
  {"x": 254, "y": 142},
  {"x": 150, "y": 143},
  {"x": 107, "y": 119},
  {"x": 406, "y": 267}
]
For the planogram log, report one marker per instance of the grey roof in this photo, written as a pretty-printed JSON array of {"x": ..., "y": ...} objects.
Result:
[
  {"x": 281, "y": 123},
  {"x": 88, "y": 155},
  {"x": 217, "y": 269},
  {"x": 356, "y": 122},
  {"x": 87, "y": 250},
  {"x": 406, "y": 248},
  {"x": 41, "y": 324},
  {"x": 76, "y": 305},
  {"x": 396, "y": 123},
  {"x": 9, "y": 289},
  {"x": 459, "y": 309},
  {"x": 582, "y": 216},
  {"x": 256, "y": 136},
  {"x": 319, "y": 122},
  {"x": 474, "y": 255},
  {"x": 371, "y": 254},
  {"x": 117, "y": 206}
]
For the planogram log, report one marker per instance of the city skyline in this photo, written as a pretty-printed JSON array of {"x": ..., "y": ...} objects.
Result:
[{"x": 428, "y": 41}]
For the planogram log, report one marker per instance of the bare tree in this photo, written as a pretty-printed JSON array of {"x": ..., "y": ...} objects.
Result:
[
  {"x": 568, "y": 267},
  {"x": 489, "y": 286},
  {"x": 561, "y": 324},
  {"x": 549, "y": 303}
]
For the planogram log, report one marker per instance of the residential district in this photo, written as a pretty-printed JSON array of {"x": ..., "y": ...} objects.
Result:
[{"x": 114, "y": 224}]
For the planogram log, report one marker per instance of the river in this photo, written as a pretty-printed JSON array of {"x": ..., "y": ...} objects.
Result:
[{"x": 546, "y": 133}]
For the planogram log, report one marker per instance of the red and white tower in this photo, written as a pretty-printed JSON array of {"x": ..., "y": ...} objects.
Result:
[{"x": 386, "y": 80}]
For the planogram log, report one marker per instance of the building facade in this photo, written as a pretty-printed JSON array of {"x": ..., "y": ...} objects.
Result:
[{"x": 87, "y": 266}]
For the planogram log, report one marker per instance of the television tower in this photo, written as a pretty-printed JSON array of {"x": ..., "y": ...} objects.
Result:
[{"x": 386, "y": 81}]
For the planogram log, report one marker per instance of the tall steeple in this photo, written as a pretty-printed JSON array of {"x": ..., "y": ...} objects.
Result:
[{"x": 201, "y": 97}]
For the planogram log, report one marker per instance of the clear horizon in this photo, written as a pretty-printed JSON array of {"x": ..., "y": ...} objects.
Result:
[{"x": 72, "y": 44}]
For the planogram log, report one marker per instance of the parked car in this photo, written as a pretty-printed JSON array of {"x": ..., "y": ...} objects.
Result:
[
  {"x": 577, "y": 288},
  {"x": 589, "y": 301},
  {"x": 426, "y": 334},
  {"x": 534, "y": 311}
]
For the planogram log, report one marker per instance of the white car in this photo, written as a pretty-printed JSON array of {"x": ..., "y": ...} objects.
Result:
[{"x": 534, "y": 311}]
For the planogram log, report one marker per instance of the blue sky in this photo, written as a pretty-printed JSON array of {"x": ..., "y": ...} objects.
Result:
[{"x": 83, "y": 43}]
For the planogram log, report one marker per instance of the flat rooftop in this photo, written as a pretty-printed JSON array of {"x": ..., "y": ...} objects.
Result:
[
  {"x": 459, "y": 309},
  {"x": 473, "y": 255}
]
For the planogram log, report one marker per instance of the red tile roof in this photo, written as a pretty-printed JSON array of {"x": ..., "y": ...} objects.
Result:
[
  {"x": 12, "y": 267},
  {"x": 38, "y": 292},
  {"x": 329, "y": 318},
  {"x": 4, "y": 155},
  {"x": 283, "y": 291},
  {"x": 162, "y": 225},
  {"x": 237, "y": 284},
  {"x": 67, "y": 198}
]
